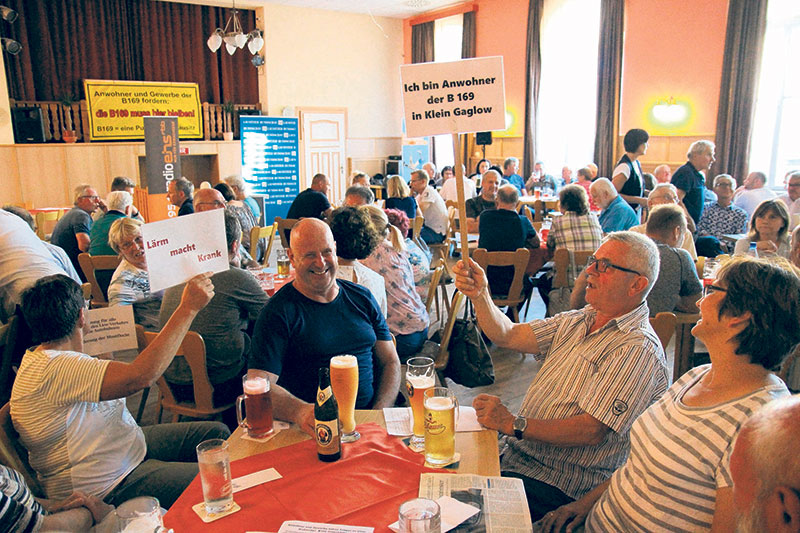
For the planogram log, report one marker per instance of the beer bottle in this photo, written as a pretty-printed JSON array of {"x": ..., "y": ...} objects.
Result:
[{"x": 326, "y": 420}]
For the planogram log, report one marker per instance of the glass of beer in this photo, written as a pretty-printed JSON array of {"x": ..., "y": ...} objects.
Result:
[
  {"x": 441, "y": 411},
  {"x": 214, "y": 462},
  {"x": 344, "y": 382},
  {"x": 258, "y": 404},
  {"x": 419, "y": 378},
  {"x": 283, "y": 263}
]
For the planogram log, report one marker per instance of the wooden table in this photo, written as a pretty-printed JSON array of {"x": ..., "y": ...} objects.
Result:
[
  {"x": 478, "y": 449},
  {"x": 684, "y": 344},
  {"x": 731, "y": 238}
]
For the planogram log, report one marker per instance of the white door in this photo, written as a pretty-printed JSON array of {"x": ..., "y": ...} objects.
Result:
[{"x": 324, "y": 138}]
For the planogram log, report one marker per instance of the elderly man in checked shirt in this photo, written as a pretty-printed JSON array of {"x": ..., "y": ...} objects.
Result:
[{"x": 603, "y": 366}]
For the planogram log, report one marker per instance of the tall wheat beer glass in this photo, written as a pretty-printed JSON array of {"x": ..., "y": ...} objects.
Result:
[
  {"x": 441, "y": 411},
  {"x": 419, "y": 378},
  {"x": 344, "y": 382}
]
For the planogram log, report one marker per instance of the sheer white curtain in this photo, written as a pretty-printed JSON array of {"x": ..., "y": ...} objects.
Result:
[
  {"x": 568, "y": 88},
  {"x": 775, "y": 140},
  {"x": 447, "y": 35}
]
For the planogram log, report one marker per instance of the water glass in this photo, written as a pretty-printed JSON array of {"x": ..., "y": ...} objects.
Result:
[
  {"x": 420, "y": 515},
  {"x": 142, "y": 514},
  {"x": 214, "y": 462}
]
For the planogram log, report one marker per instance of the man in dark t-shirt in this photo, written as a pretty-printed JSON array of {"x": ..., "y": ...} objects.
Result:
[
  {"x": 73, "y": 229},
  {"x": 484, "y": 201},
  {"x": 314, "y": 318},
  {"x": 312, "y": 202},
  {"x": 690, "y": 182}
]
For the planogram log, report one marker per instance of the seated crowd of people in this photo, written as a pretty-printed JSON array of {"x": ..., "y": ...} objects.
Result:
[{"x": 605, "y": 438}]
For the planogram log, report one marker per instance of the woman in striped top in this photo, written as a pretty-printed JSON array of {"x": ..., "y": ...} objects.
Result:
[{"x": 677, "y": 477}]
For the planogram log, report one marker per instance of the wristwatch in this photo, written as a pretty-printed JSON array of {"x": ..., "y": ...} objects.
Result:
[{"x": 520, "y": 423}]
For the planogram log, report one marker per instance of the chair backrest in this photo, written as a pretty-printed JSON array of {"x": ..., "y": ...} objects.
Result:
[
  {"x": 45, "y": 222},
  {"x": 90, "y": 264},
  {"x": 561, "y": 265},
  {"x": 538, "y": 210},
  {"x": 436, "y": 277},
  {"x": 700, "y": 264},
  {"x": 193, "y": 349},
  {"x": 416, "y": 227},
  {"x": 451, "y": 203},
  {"x": 285, "y": 225},
  {"x": 13, "y": 454},
  {"x": 517, "y": 259},
  {"x": 525, "y": 210},
  {"x": 444, "y": 347},
  {"x": 8, "y": 337},
  {"x": 664, "y": 326},
  {"x": 258, "y": 233}
]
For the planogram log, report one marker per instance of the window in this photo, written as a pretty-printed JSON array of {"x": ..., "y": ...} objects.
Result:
[
  {"x": 447, "y": 36},
  {"x": 566, "y": 116},
  {"x": 775, "y": 139}
]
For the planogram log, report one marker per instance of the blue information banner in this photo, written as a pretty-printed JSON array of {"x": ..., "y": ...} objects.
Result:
[
  {"x": 270, "y": 161},
  {"x": 414, "y": 156}
]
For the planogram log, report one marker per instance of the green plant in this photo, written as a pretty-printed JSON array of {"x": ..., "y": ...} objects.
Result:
[
  {"x": 227, "y": 108},
  {"x": 66, "y": 100}
]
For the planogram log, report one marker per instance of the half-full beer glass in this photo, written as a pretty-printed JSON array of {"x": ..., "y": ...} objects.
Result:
[
  {"x": 344, "y": 382},
  {"x": 419, "y": 378},
  {"x": 257, "y": 400},
  {"x": 441, "y": 411}
]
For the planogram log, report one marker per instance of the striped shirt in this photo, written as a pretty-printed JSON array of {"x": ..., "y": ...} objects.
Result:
[
  {"x": 74, "y": 440},
  {"x": 579, "y": 233},
  {"x": 680, "y": 456},
  {"x": 613, "y": 374},
  {"x": 19, "y": 511}
]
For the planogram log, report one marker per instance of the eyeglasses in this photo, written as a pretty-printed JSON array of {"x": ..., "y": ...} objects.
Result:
[
  {"x": 216, "y": 204},
  {"x": 603, "y": 264},
  {"x": 127, "y": 245},
  {"x": 91, "y": 197},
  {"x": 708, "y": 289}
]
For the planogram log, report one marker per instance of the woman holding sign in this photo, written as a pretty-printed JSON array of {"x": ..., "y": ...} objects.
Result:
[{"x": 130, "y": 283}]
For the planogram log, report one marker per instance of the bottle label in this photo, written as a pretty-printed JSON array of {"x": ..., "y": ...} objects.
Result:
[
  {"x": 327, "y": 436},
  {"x": 323, "y": 395}
]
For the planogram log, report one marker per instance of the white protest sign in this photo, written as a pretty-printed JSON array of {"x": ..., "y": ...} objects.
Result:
[
  {"x": 456, "y": 97},
  {"x": 179, "y": 248},
  {"x": 109, "y": 329}
]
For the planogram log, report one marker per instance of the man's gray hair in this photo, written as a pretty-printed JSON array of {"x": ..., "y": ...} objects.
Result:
[
  {"x": 641, "y": 255},
  {"x": 700, "y": 147},
  {"x": 236, "y": 182},
  {"x": 661, "y": 186},
  {"x": 725, "y": 177},
  {"x": 358, "y": 190},
  {"x": 604, "y": 185},
  {"x": 119, "y": 200},
  {"x": 80, "y": 189},
  {"x": 185, "y": 186},
  {"x": 508, "y": 162},
  {"x": 493, "y": 172},
  {"x": 508, "y": 195},
  {"x": 760, "y": 176}
]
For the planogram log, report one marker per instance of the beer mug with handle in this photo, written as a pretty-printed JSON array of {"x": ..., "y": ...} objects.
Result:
[
  {"x": 257, "y": 400},
  {"x": 441, "y": 413}
]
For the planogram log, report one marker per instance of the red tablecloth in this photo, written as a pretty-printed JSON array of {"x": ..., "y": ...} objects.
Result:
[{"x": 364, "y": 488}]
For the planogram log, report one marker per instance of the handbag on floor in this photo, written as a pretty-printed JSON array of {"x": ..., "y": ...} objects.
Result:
[{"x": 470, "y": 363}]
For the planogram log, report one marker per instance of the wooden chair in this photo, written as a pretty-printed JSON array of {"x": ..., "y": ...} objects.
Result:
[
  {"x": 45, "y": 222},
  {"x": 517, "y": 259},
  {"x": 443, "y": 356},
  {"x": 258, "y": 233},
  {"x": 700, "y": 264},
  {"x": 14, "y": 454},
  {"x": 193, "y": 349},
  {"x": 8, "y": 336},
  {"x": 416, "y": 229},
  {"x": 525, "y": 210},
  {"x": 664, "y": 326},
  {"x": 92, "y": 263},
  {"x": 452, "y": 203},
  {"x": 285, "y": 225},
  {"x": 561, "y": 265},
  {"x": 433, "y": 290},
  {"x": 441, "y": 250},
  {"x": 538, "y": 210}
]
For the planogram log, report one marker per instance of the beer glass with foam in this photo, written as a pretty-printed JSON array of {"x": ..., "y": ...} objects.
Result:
[
  {"x": 441, "y": 411},
  {"x": 419, "y": 378},
  {"x": 214, "y": 462},
  {"x": 257, "y": 400},
  {"x": 344, "y": 382}
]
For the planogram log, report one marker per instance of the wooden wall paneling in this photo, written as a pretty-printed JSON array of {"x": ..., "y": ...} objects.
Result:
[
  {"x": 86, "y": 164},
  {"x": 122, "y": 160},
  {"x": 11, "y": 192},
  {"x": 229, "y": 159},
  {"x": 43, "y": 175}
]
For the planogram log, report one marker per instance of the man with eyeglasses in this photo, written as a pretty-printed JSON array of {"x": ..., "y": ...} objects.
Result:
[
  {"x": 603, "y": 366},
  {"x": 720, "y": 218},
  {"x": 73, "y": 229},
  {"x": 432, "y": 206}
]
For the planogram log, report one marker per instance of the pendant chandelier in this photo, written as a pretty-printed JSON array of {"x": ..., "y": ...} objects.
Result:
[{"x": 233, "y": 36}]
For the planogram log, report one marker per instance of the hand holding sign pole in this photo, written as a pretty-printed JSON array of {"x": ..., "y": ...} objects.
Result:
[{"x": 456, "y": 97}]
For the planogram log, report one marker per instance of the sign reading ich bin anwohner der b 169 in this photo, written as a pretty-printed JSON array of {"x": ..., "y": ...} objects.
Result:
[{"x": 456, "y": 97}]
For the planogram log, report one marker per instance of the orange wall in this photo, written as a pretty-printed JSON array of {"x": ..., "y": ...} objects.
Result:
[
  {"x": 672, "y": 48},
  {"x": 673, "y": 52}
]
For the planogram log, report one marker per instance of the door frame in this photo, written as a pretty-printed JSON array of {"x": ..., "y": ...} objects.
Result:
[{"x": 305, "y": 181}]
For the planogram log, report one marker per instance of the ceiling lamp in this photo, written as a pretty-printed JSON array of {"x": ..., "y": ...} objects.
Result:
[{"x": 234, "y": 38}]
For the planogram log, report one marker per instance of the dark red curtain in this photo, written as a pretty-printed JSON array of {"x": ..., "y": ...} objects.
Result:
[
  {"x": 68, "y": 41},
  {"x": 609, "y": 76},
  {"x": 533, "y": 72}
]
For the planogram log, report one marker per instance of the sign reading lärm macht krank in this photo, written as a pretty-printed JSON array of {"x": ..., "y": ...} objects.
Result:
[
  {"x": 455, "y": 97},
  {"x": 116, "y": 108}
]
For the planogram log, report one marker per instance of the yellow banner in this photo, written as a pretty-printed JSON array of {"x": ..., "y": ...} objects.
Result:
[{"x": 116, "y": 108}]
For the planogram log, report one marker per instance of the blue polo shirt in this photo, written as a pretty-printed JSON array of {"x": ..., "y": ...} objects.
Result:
[
  {"x": 691, "y": 182},
  {"x": 618, "y": 216}
]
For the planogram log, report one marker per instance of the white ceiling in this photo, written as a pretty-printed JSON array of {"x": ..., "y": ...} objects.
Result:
[{"x": 377, "y": 8}]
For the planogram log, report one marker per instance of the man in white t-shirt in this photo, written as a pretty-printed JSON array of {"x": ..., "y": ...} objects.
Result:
[
  {"x": 792, "y": 198},
  {"x": 752, "y": 193},
  {"x": 69, "y": 408},
  {"x": 432, "y": 206},
  {"x": 449, "y": 193}
]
